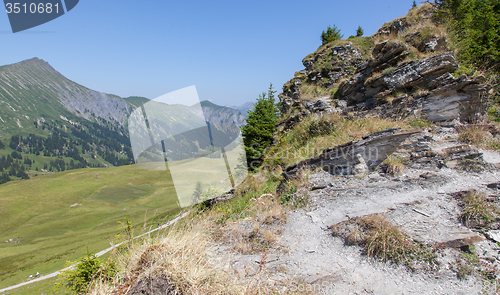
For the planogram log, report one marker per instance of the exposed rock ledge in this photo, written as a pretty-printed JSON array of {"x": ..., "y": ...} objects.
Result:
[{"x": 360, "y": 156}]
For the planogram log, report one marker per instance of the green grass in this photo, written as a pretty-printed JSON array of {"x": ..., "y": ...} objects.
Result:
[
  {"x": 37, "y": 213},
  {"x": 38, "y": 288}
]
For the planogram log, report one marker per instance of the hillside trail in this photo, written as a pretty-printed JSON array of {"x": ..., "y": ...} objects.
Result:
[{"x": 418, "y": 202}]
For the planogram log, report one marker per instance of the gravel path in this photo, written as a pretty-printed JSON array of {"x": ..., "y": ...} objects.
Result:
[{"x": 420, "y": 207}]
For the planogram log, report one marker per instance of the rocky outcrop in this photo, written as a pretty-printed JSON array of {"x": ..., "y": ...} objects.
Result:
[
  {"x": 411, "y": 146},
  {"x": 361, "y": 156},
  {"x": 426, "y": 44},
  {"x": 388, "y": 78},
  {"x": 331, "y": 63},
  {"x": 324, "y": 68}
]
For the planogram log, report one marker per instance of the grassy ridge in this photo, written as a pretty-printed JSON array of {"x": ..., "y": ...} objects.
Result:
[{"x": 46, "y": 231}]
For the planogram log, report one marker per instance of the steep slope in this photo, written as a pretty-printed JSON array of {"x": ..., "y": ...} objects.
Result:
[{"x": 32, "y": 91}]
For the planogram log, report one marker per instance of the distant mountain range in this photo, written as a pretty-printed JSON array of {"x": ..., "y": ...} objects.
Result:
[
  {"x": 42, "y": 113},
  {"x": 244, "y": 108}
]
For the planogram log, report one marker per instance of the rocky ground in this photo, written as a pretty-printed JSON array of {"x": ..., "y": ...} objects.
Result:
[
  {"x": 417, "y": 181},
  {"x": 421, "y": 201}
]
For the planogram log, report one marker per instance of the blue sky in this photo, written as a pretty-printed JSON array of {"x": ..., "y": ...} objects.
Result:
[{"x": 231, "y": 50}]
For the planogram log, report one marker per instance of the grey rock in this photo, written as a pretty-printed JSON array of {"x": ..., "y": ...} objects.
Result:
[
  {"x": 372, "y": 150},
  {"x": 396, "y": 27},
  {"x": 494, "y": 235}
]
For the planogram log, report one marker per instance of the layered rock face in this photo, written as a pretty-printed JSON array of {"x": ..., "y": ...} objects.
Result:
[
  {"x": 405, "y": 69},
  {"x": 358, "y": 157}
]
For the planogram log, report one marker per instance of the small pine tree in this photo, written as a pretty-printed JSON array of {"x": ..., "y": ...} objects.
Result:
[
  {"x": 88, "y": 270},
  {"x": 198, "y": 191},
  {"x": 259, "y": 130},
  {"x": 359, "y": 32},
  {"x": 414, "y": 4},
  {"x": 331, "y": 34}
]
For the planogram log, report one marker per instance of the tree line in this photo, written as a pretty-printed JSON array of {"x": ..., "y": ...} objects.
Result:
[{"x": 109, "y": 142}]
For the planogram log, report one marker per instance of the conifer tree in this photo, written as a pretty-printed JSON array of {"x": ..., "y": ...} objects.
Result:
[
  {"x": 359, "y": 32},
  {"x": 476, "y": 29},
  {"x": 198, "y": 191},
  {"x": 331, "y": 34},
  {"x": 259, "y": 130}
]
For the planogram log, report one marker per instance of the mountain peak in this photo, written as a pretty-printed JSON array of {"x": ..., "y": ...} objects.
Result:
[
  {"x": 32, "y": 89},
  {"x": 32, "y": 63}
]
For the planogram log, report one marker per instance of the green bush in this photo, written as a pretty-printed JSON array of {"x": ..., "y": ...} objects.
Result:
[
  {"x": 87, "y": 270},
  {"x": 331, "y": 34}
]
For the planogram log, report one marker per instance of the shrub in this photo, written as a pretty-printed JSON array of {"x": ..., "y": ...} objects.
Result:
[
  {"x": 331, "y": 34},
  {"x": 476, "y": 29},
  {"x": 87, "y": 271}
]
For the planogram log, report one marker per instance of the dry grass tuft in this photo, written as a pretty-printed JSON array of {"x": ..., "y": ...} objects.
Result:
[
  {"x": 476, "y": 210},
  {"x": 182, "y": 256},
  {"x": 478, "y": 135},
  {"x": 394, "y": 165},
  {"x": 473, "y": 134},
  {"x": 256, "y": 233},
  {"x": 382, "y": 240},
  {"x": 311, "y": 92}
]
